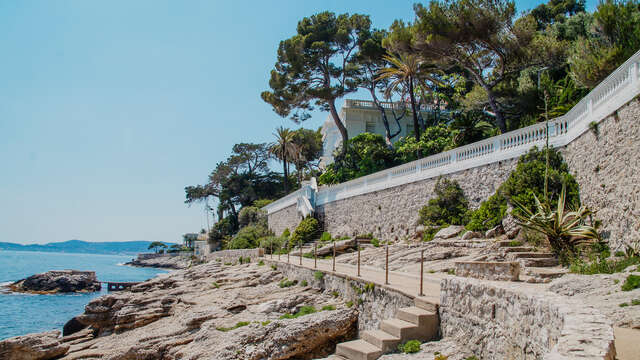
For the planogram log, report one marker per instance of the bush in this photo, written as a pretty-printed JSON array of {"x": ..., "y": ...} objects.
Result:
[
  {"x": 271, "y": 242},
  {"x": 375, "y": 242},
  {"x": 251, "y": 215},
  {"x": 411, "y": 346},
  {"x": 260, "y": 263},
  {"x": 248, "y": 237},
  {"x": 325, "y": 238},
  {"x": 632, "y": 282},
  {"x": 287, "y": 283},
  {"x": 318, "y": 275},
  {"x": 304, "y": 283},
  {"x": 286, "y": 233},
  {"x": 306, "y": 231},
  {"x": 449, "y": 207},
  {"x": 434, "y": 140},
  {"x": 489, "y": 214},
  {"x": 262, "y": 203}
]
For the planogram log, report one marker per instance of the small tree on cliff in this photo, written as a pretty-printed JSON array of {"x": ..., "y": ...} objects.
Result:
[
  {"x": 157, "y": 244},
  {"x": 317, "y": 66}
]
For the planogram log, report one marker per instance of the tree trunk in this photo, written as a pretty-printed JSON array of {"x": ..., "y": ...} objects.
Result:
[
  {"x": 286, "y": 176},
  {"x": 494, "y": 106},
  {"x": 339, "y": 124},
  {"x": 416, "y": 125},
  {"x": 385, "y": 121}
]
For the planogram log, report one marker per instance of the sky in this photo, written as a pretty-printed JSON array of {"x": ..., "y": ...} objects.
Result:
[{"x": 109, "y": 109}]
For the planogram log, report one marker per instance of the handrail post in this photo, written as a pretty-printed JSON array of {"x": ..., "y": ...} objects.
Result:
[
  {"x": 358, "y": 247},
  {"x": 421, "y": 271},
  {"x": 334, "y": 255},
  {"x": 386, "y": 267},
  {"x": 300, "y": 250},
  {"x": 315, "y": 255},
  {"x": 288, "y": 251},
  {"x": 279, "y": 251},
  {"x": 271, "y": 249}
]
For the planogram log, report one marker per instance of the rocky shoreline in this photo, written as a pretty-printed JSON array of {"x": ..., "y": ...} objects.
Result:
[
  {"x": 209, "y": 311},
  {"x": 58, "y": 281},
  {"x": 168, "y": 262}
]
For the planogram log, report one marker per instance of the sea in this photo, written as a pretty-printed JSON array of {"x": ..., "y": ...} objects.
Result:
[{"x": 26, "y": 313}]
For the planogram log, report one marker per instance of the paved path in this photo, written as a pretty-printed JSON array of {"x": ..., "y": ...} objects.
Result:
[{"x": 406, "y": 283}]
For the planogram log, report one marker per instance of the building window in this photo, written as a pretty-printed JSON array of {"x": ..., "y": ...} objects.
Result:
[{"x": 370, "y": 126}]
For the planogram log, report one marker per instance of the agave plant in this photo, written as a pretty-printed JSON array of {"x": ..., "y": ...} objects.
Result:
[{"x": 565, "y": 230}]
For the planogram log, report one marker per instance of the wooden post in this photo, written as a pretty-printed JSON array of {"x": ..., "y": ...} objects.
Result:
[
  {"x": 300, "y": 250},
  {"x": 421, "y": 270},
  {"x": 288, "y": 251},
  {"x": 315, "y": 256},
  {"x": 334, "y": 255},
  {"x": 358, "y": 246},
  {"x": 386, "y": 267},
  {"x": 271, "y": 249}
]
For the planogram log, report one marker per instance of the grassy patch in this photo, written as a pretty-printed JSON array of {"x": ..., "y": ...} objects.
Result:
[
  {"x": 215, "y": 285},
  {"x": 274, "y": 267},
  {"x": 318, "y": 275},
  {"x": 335, "y": 294},
  {"x": 632, "y": 282},
  {"x": 308, "y": 255},
  {"x": 260, "y": 263},
  {"x": 305, "y": 310},
  {"x": 624, "y": 305},
  {"x": 375, "y": 242},
  {"x": 514, "y": 243},
  {"x": 369, "y": 287},
  {"x": 237, "y": 325},
  {"x": 601, "y": 265},
  {"x": 328, "y": 307},
  {"x": 228, "y": 263},
  {"x": 635, "y": 302},
  {"x": 265, "y": 323},
  {"x": 304, "y": 283},
  {"x": 287, "y": 283},
  {"x": 616, "y": 281},
  {"x": 349, "y": 303},
  {"x": 410, "y": 347}
]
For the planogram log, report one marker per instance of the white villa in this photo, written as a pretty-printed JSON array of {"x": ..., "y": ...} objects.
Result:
[{"x": 360, "y": 116}]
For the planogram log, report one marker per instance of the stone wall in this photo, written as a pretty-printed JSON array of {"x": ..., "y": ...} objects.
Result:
[
  {"x": 392, "y": 213},
  {"x": 234, "y": 255},
  {"x": 500, "y": 320},
  {"x": 286, "y": 218},
  {"x": 374, "y": 305},
  {"x": 607, "y": 167}
]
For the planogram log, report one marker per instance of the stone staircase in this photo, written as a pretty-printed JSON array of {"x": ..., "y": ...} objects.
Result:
[
  {"x": 419, "y": 322},
  {"x": 536, "y": 263}
]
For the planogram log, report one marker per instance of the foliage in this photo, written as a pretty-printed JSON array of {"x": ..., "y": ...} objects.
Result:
[
  {"x": 328, "y": 308},
  {"x": 631, "y": 282},
  {"x": 565, "y": 230},
  {"x": 237, "y": 325},
  {"x": 325, "y": 238},
  {"x": 251, "y": 215},
  {"x": 598, "y": 264},
  {"x": 431, "y": 231},
  {"x": 286, "y": 233},
  {"x": 471, "y": 126},
  {"x": 272, "y": 243},
  {"x": 375, "y": 242},
  {"x": 309, "y": 144},
  {"x": 157, "y": 244},
  {"x": 527, "y": 180},
  {"x": 364, "y": 154},
  {"x": 261, "y": 263},
  {"x": 248, "y": 237},
  {"x": 304, "y": 310},
  {"x": 260, "y": 203},
  {"x": 304, "y": 283},
  {"x": 317, "y": 65},
  {"x": 305, "y": 232},
  {"x": 449, "y": 207},
  {"x": 318, "y": 275},
  {"x": 287, "y": 283},
  {"x": 489, "y": 214},
  {"x": 410, "y": 347},
  {"x": 274, "y": 267},
  {"x": 349, "y": 303},
  {"x": 434, "y": 140},
  {"x": 615, "y": 36}
]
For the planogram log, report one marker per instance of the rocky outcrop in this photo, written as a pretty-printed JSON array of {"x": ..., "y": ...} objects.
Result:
[
  {"x": 448, "y": 232},
  {"x": 166, "y": 262},
  {"x": 41, "y": 346},
  {"x": 58, "y": 281}
]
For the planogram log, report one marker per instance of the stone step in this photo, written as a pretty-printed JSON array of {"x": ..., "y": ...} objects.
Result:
[
  {"x": 417, "y": 316},
  {"x": 510, "y": 249},
  {"x": 381, "y": 339},
  {"x": 539, "y": 262},
  {"x": 546, "y": 273},
  {"x": 358, "y": 350},
  {"x": 401, "y": 329},
  {"x": 426, "y": 303},
  {"x": 530, "y": 255}
]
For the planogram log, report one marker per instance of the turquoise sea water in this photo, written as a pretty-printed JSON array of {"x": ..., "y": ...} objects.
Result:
[{"x": 21, "y": 313}]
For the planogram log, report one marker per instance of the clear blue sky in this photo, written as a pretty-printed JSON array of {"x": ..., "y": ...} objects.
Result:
[{"x": 108, "y": 109}]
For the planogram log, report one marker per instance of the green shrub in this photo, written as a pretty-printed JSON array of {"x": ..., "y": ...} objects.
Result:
[
  {"x": 274, "y": 267},
  {"x": 308, "y": 255},
  {"x": 619, "y": 253},
  {"x": 287, "y": 283},
  {"x": 248, "y": 237},
  {"x": 449, "y": 207},
  {"x": 431, "y": 231},
  {"x": 306, "y": 231},
  {"x": 410, "y": 347},
  {"x": 260, "y": 263},
  {"x": 251, "y": 215},
  {"x": 489, "y": 214},
  {"x": 318, "y": 275},
  {"x": 260, "y": 203},
  {"x": 349, "y": 303},
  {"x": 265, "y": 323},
  {"x": 286, "y": 233},
  {"x": 215, "y": 285},
  {"x": 335, "y": 294},
  {"x": 237, "y": 325},
  {"x": 514, "y": 243},
  {"x": 304, "y": 283},
  {"x": 624, "y": 304},
  {"x": 325, "y": 238},
  {"x": 632, "y": 282},
  {"x": 228, "y": 263},
  {"x": 369, "y": 287},
  {"x": 305, "y": 310},
  {"x": 635, "y": 302},
  {"x": 375, "y": 242},
  {"x": 328, "y": 308},
  {"x": 272, "y": 243},
  {"x": 433, "y": 140}
]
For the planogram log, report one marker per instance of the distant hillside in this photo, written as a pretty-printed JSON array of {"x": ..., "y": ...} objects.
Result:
[{"x": 84, "y": 247}]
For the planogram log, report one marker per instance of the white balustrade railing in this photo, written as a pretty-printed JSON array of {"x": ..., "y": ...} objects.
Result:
[{"x": 617, "y": 89}]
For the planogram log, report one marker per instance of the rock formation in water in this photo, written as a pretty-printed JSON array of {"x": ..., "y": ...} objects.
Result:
[{"x": 58, "y": 281}]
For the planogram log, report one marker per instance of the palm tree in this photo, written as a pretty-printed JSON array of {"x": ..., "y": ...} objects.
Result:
[
  {"x": 404, "y": 70},
  {"x": 472, "y": 126},
  {"x": 286, "y": 150}
]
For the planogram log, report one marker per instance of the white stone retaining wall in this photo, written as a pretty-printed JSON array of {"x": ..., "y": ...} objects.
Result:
[
  {"x": 234, "y": 255},
  {"x": 374, "y": 305},
  {"x": 285, "y": 218},
  {"x": 502, "y": 320}
]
